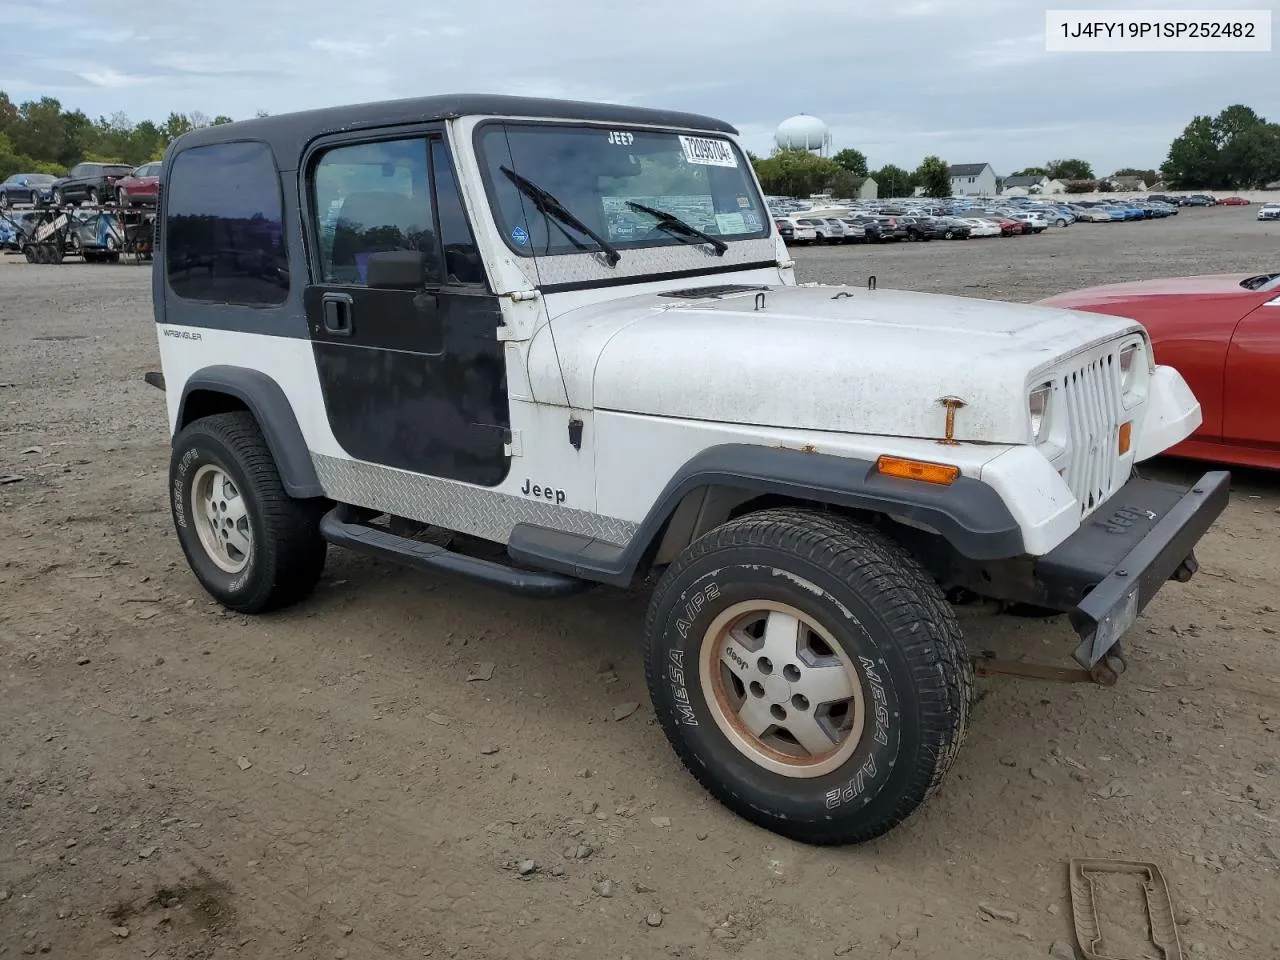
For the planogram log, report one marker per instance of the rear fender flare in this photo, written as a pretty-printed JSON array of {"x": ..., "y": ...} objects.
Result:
[{"x": 267, "y": 401}]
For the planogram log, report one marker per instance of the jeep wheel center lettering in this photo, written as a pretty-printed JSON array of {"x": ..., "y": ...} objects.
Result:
[{"x": 572, "y": 332}]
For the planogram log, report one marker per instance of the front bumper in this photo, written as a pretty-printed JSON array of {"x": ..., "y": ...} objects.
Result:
[{"x": 1107, "y": 572}]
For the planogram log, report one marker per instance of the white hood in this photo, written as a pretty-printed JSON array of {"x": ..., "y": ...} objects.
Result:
[{"x": 870, "y": 362}]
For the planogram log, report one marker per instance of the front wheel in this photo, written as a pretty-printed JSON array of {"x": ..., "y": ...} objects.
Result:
[
  {"x": 809, "y": 673},
  {"x": 251, "y": 546}
]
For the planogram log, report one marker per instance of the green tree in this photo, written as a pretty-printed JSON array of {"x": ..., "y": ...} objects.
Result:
[
  {"x": 796, "y": 173},
  {"x": 1068, "y": 170},
  {"x": 1251, "y": 158},
  {"x": 845, "y": 184},
  {"x": 1193, "y": 156},
  {"x": 934, "y": 176},
  {"x": 1031, "y": 172},
  {"x": 852, "y": 160},
  {"x": 893, "y": 181}
]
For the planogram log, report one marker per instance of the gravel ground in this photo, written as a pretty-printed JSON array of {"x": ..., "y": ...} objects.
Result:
[{"x": 327, "y": 782}]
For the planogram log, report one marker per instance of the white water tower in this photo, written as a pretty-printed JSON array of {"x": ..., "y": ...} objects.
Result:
[{"x": 803, "y": 132}]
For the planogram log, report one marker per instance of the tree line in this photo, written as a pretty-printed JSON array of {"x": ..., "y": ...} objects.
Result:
[
  {"x": 1236, "y": 150},
  {"x": 40, "y": 136}
]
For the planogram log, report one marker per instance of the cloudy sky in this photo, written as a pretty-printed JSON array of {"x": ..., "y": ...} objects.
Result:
[{"x": 898, "y": 79}]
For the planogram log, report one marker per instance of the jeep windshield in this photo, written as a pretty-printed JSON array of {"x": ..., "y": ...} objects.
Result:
[{"x": 605, "y": 177}]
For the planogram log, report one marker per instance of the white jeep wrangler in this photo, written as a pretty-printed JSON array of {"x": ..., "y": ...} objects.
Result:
[{"x": 548, "y": 344}]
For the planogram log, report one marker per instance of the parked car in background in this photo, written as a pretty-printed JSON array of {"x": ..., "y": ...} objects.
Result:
[
  {"x": 140, "y": 187},
  {"x": 1234, "y": 202},
  {"x": 98, "y": 236},
  {"x": 917, "y": 228},
  {"x": 949, "y": 228},
  {"x": 1092, "y": 213},
  {"x": 1034, "y": 222},
  {"x": 1269, "y": 211},
  {"x": 1222, "y": 333},
  {"x": 89, "y": 182},
  {"x": 982, "y": 227},
  {"x": 785, "y": 229},
  {"x": 21, "y": 226},
  {"x": 1199, "y": 200},
  {"x": 801, "y": 230},
  {"x": 32, "y": 188},
  {"x": 854, "y": 232}
]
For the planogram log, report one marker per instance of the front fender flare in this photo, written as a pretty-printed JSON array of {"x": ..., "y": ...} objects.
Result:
[
  {"x": 271, "y": 408},
  {"x": 968, "y": 513}
]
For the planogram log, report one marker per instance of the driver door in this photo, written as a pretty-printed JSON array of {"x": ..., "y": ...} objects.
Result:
[{"x": 403, "y": 327}]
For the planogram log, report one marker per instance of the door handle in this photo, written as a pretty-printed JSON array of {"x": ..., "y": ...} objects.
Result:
[{"x": 337, "y": 314}]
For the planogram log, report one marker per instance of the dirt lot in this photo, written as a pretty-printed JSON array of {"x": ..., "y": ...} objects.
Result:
[{"x": 328, "y": 782}]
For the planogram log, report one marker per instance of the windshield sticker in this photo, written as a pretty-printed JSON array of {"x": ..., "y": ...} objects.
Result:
[
  {"x": 708, "y": 152},
  {"x": 744, "y": 202},
  {"x": 520, "y": 235},
  {"x": 627, "y": 223},
  {"x": 730, "y": 223},
  {"x": 621, "y": 138},
  {"x": 751, "y": 219}
]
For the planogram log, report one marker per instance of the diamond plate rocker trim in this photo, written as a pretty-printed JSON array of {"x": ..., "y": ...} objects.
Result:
[{"x": 456, "y": 506}]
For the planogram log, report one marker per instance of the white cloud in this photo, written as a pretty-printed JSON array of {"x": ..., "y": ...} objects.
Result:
[{"x": 106, "y": 77}]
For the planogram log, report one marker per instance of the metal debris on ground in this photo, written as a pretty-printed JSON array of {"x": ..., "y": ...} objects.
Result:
[{"x": 1160, "y": 927}]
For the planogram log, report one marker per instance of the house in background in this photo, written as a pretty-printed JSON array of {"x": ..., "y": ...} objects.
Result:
[
  {"x": 1125, "y": 184},
  {"x": 868, "y": 189},
  {"x": 973, "y": 180},
  {"x": 1022, "y": 185}
]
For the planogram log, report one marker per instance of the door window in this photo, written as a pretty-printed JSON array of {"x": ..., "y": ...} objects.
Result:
[{"x": 376, "y": 225}]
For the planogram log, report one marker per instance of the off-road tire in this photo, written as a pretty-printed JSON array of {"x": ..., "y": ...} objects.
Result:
[
  {"x": 287, "y": 554},
  {"x": 888, "y": 616}
]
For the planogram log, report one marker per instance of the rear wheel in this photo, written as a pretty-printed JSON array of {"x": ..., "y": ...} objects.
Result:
[
  {"x": 95, "y": 198},
  {"x": 251, "y": 545},
  {"x": 809, "y": 674}
]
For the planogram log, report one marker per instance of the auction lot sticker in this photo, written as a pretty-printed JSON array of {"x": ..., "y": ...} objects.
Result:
[
  {"x": 709, "y": 152},
  {"x": 1157, "y": 31}
]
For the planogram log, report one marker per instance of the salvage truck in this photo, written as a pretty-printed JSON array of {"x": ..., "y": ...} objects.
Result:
[{"x": 551, "y": 345}]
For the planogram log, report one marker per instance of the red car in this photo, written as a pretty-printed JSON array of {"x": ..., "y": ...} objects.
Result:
[
  {"x": 1222, "y": 333},
  {"x": 1234, "y": 202},
  {"x": 139, "y": 187}
]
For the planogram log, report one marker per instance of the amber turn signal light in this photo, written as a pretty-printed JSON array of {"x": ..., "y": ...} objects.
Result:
[
  {"x": 917, "y": 470},
  {"x": 1126, "y": 437}
]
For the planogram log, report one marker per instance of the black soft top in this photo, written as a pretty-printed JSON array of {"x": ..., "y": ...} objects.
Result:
[{"x": 289, "y": 133}]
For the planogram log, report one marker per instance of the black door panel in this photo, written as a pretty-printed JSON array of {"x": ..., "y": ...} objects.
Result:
[
  {"x": 405, "y": 337},
  {"x": 443, "y": 413}
]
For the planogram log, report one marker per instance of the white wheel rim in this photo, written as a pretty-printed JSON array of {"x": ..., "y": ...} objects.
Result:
[
  {"x": 781, "y": 689},
  {"x": 221, "y": 519}
]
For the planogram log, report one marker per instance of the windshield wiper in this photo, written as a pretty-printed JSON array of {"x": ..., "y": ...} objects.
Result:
[
  {"x": 548, "y": 205},
  {"x": 672, "y": 223}
]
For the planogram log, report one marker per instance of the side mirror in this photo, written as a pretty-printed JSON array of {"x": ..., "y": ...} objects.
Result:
[{"x": 395, "y": 270}]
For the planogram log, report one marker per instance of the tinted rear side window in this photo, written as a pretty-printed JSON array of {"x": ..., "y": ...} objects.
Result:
[{"x": 225, "y": 237}]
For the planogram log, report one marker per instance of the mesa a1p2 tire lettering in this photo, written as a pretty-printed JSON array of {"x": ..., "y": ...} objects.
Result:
[{"x": 809, "y": 674}]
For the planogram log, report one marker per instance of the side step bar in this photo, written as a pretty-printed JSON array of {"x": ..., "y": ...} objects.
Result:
[{"x": 429, "y": 556}]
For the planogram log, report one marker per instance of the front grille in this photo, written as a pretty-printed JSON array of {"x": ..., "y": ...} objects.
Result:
[{"x": 1093, "y": 408}]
